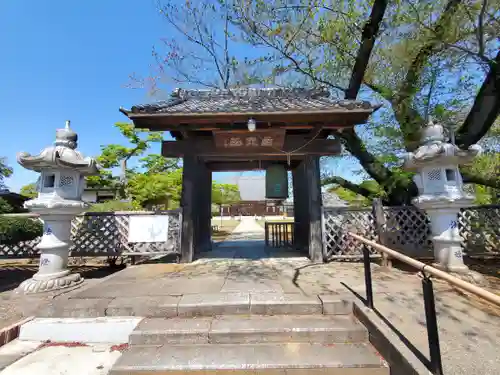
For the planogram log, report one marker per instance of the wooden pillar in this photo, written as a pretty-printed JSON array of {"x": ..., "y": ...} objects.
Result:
[
  {"x": 188, "y": 204},
  {"x": 300, "y": 207},
  {"x": 315, "y": 230},
  {"x": 204, "y": 212}
]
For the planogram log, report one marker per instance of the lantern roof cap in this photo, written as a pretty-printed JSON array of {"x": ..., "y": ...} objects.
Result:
[{"x": 62, "y": 155}]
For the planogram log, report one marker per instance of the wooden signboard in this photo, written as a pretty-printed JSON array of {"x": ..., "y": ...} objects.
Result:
[
  {"x": 246, "y": 140},
  {"x": 148, "y": 228}
]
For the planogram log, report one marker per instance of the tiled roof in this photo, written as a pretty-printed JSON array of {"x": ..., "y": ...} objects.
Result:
[{"x": 251, "y": 100}]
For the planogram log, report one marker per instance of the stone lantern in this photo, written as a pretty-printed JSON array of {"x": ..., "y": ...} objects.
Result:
[
  {"x": 60, "y": 187},
  {"x": 441, "y": 193}
]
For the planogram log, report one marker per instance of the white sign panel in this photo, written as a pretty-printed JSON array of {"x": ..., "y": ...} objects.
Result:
[{"x": 148, "y": 228}]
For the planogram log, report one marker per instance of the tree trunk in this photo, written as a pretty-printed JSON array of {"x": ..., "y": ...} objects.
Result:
[{"x": 399, "y": 190}]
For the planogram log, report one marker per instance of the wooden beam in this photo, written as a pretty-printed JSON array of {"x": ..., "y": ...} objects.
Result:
[
  {"x": 237, "y": 166},
  {"x": 254, "y": 159},
  {"x": 166, "y": 122},
  {"x": 296, "y": 145}
]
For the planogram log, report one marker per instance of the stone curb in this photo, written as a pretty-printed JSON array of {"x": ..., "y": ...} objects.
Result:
[
  {"x": 113, "y": 330},
  {"x": 199, "y": 305},
  {"x": 402, "y": 361},
  {"x": 10, "y": 333}
]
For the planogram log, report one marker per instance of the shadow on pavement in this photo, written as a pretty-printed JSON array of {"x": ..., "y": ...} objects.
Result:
[{"x": 13, "y": 275}]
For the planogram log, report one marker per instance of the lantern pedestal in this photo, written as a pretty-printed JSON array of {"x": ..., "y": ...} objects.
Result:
[
  {"x": 446, "y": 239},
  {"x": 53, "y": 273}
]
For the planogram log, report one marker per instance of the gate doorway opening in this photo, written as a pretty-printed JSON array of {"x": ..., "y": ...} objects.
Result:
[{"x": 248, "y": 129}]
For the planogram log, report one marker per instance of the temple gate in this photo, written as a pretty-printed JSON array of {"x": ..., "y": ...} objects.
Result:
[{"x": 248, "y": 129}]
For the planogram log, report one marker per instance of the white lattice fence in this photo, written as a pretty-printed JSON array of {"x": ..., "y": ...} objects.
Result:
[
  {"x": 96, "y": 235},
  {"x": 479, "y": 228},
  {"x": 24, "y": 249},
  {"x": 337, "y": 222},
  {"x": 407, "y": 229},
  {"x": 106, "y": 234}
]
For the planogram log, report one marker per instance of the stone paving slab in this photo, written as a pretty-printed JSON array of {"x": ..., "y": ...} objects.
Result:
[
  {"x": 158, "y": 287},
  {"x": 60, "y": 360}
]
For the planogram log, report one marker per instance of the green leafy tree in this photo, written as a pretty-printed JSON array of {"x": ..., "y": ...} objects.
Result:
[
  {"x": 5, "y": 207},
  {"x": 489, "y": 165},
  {"x": 154, "y": 163},
  {"x": 418, "y": 59},
  {"x": 16, "y": 229},
  {"x": 223, "y": 194},
  {"x": 29, "y": 190},
  {"x": 113, "y": 205},
  {"x": 118, "y": 156},
  {"x": 156, "y": 189},
  {"x": 5, "y": 171}
]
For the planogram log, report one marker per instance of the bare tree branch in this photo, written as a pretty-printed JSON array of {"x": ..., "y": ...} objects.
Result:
[{"x": 252, "y": 25}]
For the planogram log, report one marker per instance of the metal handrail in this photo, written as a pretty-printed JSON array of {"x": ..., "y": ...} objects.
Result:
[
  {"x": 436, "y": 366},
  {"x": 425, "y": 268}
]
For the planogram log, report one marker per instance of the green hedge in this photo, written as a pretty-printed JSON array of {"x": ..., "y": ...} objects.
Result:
[{"x": 16, "y": 229}]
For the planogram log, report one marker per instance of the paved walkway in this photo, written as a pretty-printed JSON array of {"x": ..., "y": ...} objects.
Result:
[{"x": 469, "y": 330}]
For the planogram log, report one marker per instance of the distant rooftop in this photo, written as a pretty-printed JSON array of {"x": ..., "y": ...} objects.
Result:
[
  {"x": 245, "y": 100},
  {"x": 252, "y": 188}
]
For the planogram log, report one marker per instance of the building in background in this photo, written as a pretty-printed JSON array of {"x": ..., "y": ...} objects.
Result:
[
  {"x": 98, "y": 195},
  {"x": 254, "y": 203},
  {"x": 253, "y": 199}
]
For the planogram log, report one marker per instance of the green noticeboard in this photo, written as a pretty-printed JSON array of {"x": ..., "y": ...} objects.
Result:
[{"x": 276, "y": 182}]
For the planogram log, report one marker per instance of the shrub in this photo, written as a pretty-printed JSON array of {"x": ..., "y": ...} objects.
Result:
[
  {"x": 17, "y": 229},
  {"x": 113, "y": 205},
  {"x": 5, "y": 207}
]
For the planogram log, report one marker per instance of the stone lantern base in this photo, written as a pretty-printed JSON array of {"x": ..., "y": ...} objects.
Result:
[{"x": 37, "y": 284}]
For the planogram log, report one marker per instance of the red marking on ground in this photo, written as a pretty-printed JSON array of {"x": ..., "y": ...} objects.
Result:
[
  {"x": 64, "y": 344},
  {"x": 120, "y": 348}
]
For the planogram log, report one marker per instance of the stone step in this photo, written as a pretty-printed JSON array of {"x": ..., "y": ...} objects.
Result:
[
  {"x": 292, "y": 358},
  {"x": 206, "y": 304},
  {"x": 233, "y": 329}
]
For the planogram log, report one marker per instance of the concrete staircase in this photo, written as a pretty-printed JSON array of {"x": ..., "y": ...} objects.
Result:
[{"x": 300, "y": 341}]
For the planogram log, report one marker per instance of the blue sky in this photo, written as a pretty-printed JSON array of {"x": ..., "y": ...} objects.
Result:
[{"x": 64, "y": 60}]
